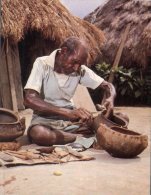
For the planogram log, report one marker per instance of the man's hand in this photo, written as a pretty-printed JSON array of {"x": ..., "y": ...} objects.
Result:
[
  {"x": 34, "y": 101},
  {"x": 108, "y": 104},
  {"x": 80, "y": 114},
  {"x": 109, "y": 96}
]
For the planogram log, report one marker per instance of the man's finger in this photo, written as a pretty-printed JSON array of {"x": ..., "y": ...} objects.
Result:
[
  {"x": 109, "y": 112},
  {"x": 85, "y": 113}
]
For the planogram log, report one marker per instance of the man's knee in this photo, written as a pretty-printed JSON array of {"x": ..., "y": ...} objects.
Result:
[
  {"x": 34, "y": 132},
  {"x": 41, "y": 135}
]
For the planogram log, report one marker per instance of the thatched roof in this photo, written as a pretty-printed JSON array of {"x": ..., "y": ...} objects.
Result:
[
  {"x": 113, "y": 18},
  {"x": 50, "y": 18}
]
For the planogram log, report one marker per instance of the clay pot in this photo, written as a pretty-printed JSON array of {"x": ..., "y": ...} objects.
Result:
[
  {"x": 11, "y": 126},
  {"x": 113, "y": 117},
  {"x": 115, "y": 120},
  {"x": 120, "y": 142},
  {"x": 123, "y": 116}
]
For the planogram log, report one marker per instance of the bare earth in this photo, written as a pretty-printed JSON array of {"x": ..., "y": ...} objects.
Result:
[{"x": 104, "y": 176}]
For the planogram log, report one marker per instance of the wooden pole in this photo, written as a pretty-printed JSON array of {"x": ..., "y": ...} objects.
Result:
[
  {"x": 117, "y": 58},
  {"x": 6, "y": 100},
  {"x": 119, "y": 53},
  {"x": 11, "y": 79}
]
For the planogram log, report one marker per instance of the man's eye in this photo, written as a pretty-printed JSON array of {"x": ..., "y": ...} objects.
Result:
[{"x": 76, "y": 62}]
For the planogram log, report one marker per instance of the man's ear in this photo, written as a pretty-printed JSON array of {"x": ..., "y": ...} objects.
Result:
[{"x": 63, "y": 50}]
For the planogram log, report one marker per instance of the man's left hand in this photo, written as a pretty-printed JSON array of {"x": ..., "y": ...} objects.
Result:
[
  {"x": 108, "y": 104},
  {"x": 109, "y": 96}
]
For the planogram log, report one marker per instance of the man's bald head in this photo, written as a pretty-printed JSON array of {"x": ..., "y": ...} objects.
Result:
[
  {"x": 72, "y": 55},
  {"x": 74, "y": 43}
]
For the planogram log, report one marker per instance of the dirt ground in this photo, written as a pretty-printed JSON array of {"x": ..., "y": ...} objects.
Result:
[{"x": 103, "y": 176}]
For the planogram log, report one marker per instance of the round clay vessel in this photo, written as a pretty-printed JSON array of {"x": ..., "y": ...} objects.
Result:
[
  {"x": 118, "y": 119},
  {"x": 123, "y": 116},
  {"x": 115, "y": 120},
  {"x": 120, "y": 142},
  {"x": 11, "y": 126}
]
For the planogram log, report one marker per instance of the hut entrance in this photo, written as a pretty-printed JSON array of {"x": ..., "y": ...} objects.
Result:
[
  {"x": 34, "y": 45},
  {"x": 16, "y": 64}
]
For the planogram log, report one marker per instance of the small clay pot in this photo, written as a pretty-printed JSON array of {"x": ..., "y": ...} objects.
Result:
[
  {"x": 115, "y": 120},
  {"x": 11, "y": 126},
  {"x": 123, "y": 116},
  {"x": 120, "y": 142}
]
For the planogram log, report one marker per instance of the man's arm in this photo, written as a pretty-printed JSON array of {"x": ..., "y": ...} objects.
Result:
[
  {"x": 33, "y": 100},
  {"x": 110, "y": 94}
]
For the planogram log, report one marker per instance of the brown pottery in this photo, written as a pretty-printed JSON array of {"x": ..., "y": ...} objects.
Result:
[
  {"x": 11, "y": 126},
  {"x": 115, "y": 120},
  {"x": 120, "y": 142}
]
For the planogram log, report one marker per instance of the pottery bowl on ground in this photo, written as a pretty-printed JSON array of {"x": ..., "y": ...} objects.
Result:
[
  {"x": 120, "y": 142},
  {"x": 115, "y": 120},
  {"x": 11, "y": 126}
]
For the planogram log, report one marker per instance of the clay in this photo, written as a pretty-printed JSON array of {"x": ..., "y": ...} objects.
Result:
[
  {"x": 11, "y": 126},
  {"x": 115, "y": 120},
  {"x": 123, "y": 115},
  {"x": 9, "y": 146},
  {"x": 120, "y": 142},
  {"x": 46, "y": 150},
  {"x": 24, "y": 155}
]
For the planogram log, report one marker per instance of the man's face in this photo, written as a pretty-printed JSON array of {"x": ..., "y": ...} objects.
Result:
[{"x": 71, "y": 63}]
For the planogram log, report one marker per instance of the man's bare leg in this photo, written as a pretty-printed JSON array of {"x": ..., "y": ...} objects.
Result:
[{"x": 44, "y": 136}]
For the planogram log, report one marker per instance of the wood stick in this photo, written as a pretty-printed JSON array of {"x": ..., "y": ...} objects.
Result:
[
  {"x": 119, "y": 53},
  {"x": 117, "y": 58},
  {"x": 11, "y": 79},
  {"x": 23, "y": 157}
]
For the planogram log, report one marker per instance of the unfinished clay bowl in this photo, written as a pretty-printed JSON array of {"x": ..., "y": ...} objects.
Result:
[
  {"x": 115, "y": 120},
  {"x": 123, "y": 116},
  {"x": 11, "y": 126},
  {"x": 120, "y": 142}
]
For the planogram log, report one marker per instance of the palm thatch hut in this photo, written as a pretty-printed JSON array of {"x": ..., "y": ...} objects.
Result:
[
  {"x": 113, "y": 18},
  {"x": 31, "y": 29}
]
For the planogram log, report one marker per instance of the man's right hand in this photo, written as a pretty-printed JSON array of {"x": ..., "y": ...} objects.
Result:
[{"x": 80, "y": 114}]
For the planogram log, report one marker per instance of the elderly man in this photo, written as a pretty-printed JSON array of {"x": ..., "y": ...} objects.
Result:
[{"x": 50, "y": 88}]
